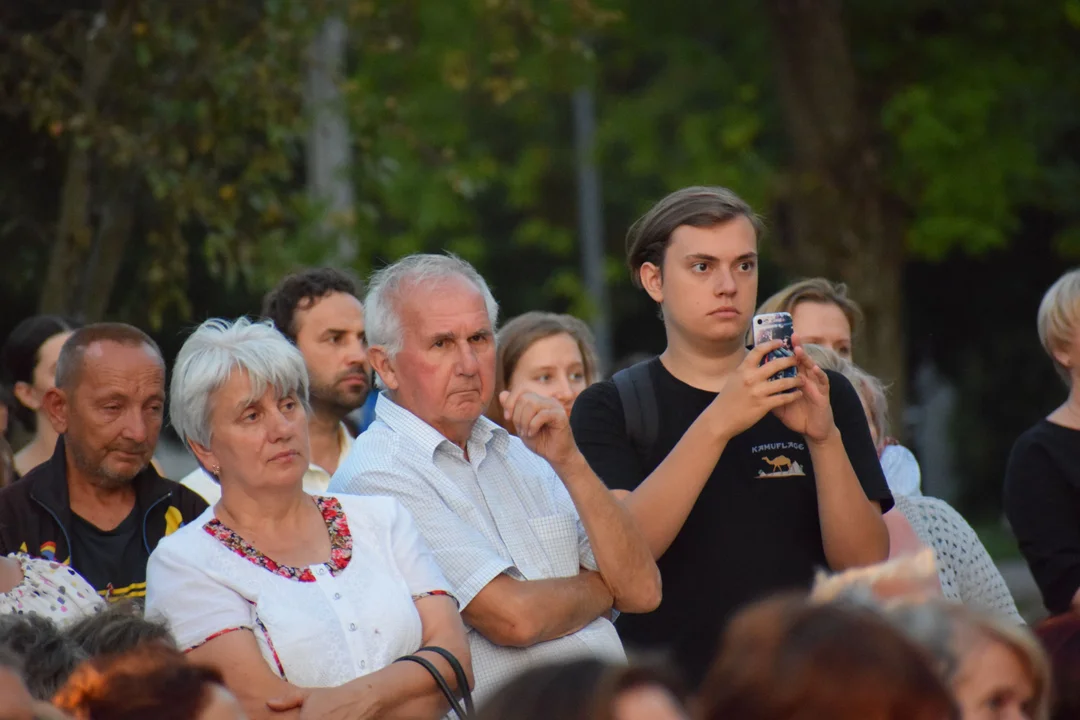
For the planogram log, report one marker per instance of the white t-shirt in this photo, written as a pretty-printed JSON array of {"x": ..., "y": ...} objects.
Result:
[{"x": 318, "y": 626}]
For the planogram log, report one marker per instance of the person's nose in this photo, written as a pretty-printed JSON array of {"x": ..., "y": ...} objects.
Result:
[
  {"x": 356, "y": 354},
  {"x": 136, "y": 428},
  {"x": 561, "y": 389},
  {"x": 280, "y": 426},
  {"x": 724, "y": 282},
  {"x": 468, "y": 363}
]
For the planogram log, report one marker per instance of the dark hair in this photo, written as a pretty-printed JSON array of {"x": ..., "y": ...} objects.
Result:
[
  {"x": 48, "y": 656},
  {"x": 299, "y": 291},
  {"x": 785, "y": 659},
  {"x": 116, "y": 629},
  {"x": 10, "y": 660},
  {"x": 519, "y": 334},
  {"x": 1060, "y": 635},
  {"x": 7, "y": 463},
  {"x": 69, "y": 365},
  {"x": 20, "y": 354},
  {"x": 151, "y": 681},
  {"x": 577, "y": 690},
  {"x": 698, "y": 206}
]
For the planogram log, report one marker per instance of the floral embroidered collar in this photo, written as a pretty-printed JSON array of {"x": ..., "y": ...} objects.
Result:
[{"x": 337, "y": 527}]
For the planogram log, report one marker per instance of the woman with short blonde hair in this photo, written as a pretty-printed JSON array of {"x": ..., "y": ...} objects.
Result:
[
  {"x": 821, "y": 312},
  {"x": 995, "y": 668},
  {"x": 1042, "y": 479}
]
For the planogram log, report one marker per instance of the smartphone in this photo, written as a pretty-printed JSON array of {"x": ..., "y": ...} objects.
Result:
[{"x": 775, "y": 326}]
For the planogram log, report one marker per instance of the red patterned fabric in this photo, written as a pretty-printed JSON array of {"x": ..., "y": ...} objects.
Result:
[{"x": 337, "y": 527}]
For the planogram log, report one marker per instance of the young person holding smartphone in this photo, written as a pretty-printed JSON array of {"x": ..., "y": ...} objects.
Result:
[{"x": 742, "y": 485}]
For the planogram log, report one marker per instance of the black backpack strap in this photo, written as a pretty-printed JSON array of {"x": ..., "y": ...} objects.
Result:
[{"x": 640, "y": 408}]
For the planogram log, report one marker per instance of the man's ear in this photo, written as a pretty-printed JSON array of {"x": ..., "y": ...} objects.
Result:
[
  {"x": 652, "y": 279},
  {"x": 384, "y": 366},
  {"x": 56, "y": 405}
]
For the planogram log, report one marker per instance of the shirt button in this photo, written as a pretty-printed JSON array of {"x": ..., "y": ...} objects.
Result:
[
  {"x": 337, "y": 596},
  {"x": 363, "y": 664},
  {"x": 321, "y": 571},
  {"x": 352, "y": 626}
]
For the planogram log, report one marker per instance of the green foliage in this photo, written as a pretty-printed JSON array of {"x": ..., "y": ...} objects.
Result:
[{"x": 461, "y": 124}]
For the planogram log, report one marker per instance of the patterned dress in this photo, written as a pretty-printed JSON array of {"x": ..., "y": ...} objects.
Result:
[{"x": 51, "y": 590}]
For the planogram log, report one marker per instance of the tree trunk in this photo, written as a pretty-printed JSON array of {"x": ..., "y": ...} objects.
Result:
[
  {"x": 99, "y": 279},
  {"x": 329, "y": 148},
  {"x": 73, "y": 244},
  {"x": 843, "y": 223}
]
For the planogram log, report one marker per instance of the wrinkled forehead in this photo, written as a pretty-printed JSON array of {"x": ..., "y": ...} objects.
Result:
[{"x": 445, "y": 305}]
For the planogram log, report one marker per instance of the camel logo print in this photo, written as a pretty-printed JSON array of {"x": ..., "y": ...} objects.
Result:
[{"x": 781, "y": 466}]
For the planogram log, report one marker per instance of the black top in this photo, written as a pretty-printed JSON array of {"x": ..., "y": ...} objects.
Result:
[
  {"x": 112, "y": 561},
  {"x": 1042, "y": 503},
  {"x": 754, "y": 529},
  {"x": 36, "y": 518}
]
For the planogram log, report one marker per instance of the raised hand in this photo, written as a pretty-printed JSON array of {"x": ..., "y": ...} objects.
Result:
[
  {"x": 541, "y": 423},
  {"x": 749, "y": 394},
  {"x": 811, "y": 415}
]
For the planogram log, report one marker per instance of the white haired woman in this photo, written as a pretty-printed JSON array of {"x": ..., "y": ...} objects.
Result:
[
  {"x": 1042, "y": 479},
  {"x": 965, "y": 569},
  {"x": 293, "y": 598}
]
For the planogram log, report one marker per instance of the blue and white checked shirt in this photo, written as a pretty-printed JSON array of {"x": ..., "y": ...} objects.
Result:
[{"x": 502, "y": 510}]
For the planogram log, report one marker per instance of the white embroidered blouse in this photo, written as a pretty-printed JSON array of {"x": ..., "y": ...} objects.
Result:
[{"x": 316, "y": 626}]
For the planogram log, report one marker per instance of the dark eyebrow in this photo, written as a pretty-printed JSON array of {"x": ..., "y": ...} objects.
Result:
[
  {"x": 746, "y": 256},
  {"x": 702, "y": 257}
]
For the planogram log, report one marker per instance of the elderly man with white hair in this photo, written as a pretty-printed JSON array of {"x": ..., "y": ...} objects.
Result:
[
  {"x": 296, "y": 599},
  {"x": 537, "y": 551}
]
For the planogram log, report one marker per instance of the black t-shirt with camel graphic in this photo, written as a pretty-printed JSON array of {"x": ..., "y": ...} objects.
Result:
[{"x": 754, "y": 529}]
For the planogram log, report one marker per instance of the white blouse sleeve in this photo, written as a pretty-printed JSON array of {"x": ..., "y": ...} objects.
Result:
[
  {"x": 196, "y": 607},
  {"x": 414, "y": 558}
]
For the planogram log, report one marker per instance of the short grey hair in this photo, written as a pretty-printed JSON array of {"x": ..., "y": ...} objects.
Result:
[
  {"x": 870, "y": 389},
  {"x": 209, "y": 357},
  {"x": 382, "y": 312}
]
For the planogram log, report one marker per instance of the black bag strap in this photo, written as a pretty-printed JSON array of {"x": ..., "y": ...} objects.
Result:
[
  {"x": 459, "y": 673},
  {"x": 640, "y": 407},
  {"x": 439, "y": 680}
]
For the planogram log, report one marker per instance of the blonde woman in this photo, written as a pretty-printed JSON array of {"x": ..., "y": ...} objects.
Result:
[
  {"x": 823, "y": 315},
  {"x": 965, "y": 569},
  {"x": 551, "y": 355},
  {"x": 996, "y": 669},
  {"x": 1042, "y": 479},
  {"x": 821, "y": 312}
]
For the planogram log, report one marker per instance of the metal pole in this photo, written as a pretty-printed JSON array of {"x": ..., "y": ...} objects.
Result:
[{"x": 591, "y": 221}]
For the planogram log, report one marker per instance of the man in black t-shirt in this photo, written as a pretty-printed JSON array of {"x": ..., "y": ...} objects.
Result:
[
  {"x": 745, "y": 489},
  {"x": 97, "y": 504}
]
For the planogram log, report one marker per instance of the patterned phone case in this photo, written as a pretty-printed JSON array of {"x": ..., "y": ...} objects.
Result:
[{"x": 775, "y": 326}]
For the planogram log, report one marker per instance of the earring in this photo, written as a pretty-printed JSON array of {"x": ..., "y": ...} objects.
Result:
[{"x": 216, "y": 470}]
